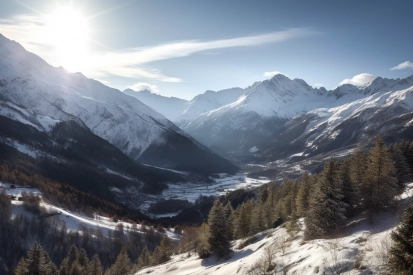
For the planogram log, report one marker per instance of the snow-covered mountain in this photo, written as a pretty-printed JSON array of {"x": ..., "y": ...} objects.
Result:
[
  {"x": 181, "y": 111},
  {"x": 208, "y": 101},
  {"x": 386, "y": 110},
  {"x": 241, "y": 126},
  {"x": 170, "y": 107},
  {"x": 38, "y": 94}
]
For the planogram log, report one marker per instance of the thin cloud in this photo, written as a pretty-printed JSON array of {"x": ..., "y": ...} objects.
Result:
[
  {"x": 144, "y": 86},
  {"x": 271, "y": 74},
  {"x": 103, "y": 62},
  {"x": 359, "y": 79},
  {"x": 404, "y": 65}
]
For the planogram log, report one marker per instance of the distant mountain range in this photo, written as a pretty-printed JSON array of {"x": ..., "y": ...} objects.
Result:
[{"x": 280, "y": 117}]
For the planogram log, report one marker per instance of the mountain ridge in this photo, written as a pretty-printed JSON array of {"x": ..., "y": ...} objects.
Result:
[{"x": 43, "y": 95}]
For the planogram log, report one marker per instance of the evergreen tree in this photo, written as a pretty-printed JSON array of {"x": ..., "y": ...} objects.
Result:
[
  {"x": 401, "y": 253},
  {"x": 218, "y": 230},
  {"x": 38, "y": 262},
  {"x": 145, "y": 258},
  {"x": 203, "y": 236},
  {"x": 77, "y": 269},
  {"x": 257, "y": 220},
  {"x": 402, "y": 169},
  {"x": 229, "y": 217},
  {"x": 357, "y": 170},
  {"x": 327, "y": 210},
  {"x": 21, "y": 268},
  {"x": 263, "y": 194},
  {"x": 303, "y": 196},
  {"x": 381, "y": 186},
  {"x": 72, "y": 255},
  {"x": 67, "y": 263},
  {"x": 122, "y": 265},
  {"x": 95, "y": 266},
  {"x": 242, "y": 220},
  {"x": 82, "y": 259},
  {"x": 350, "y": 190},
  {"x": 164, "y": 250},
  {"x": 156, "y": 256},
  {"x": 270, "y": 205}
]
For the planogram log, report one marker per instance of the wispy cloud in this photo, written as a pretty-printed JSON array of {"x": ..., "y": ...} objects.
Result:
[
  {"x": 359, "y": 79},
  {"x": 271, "y": 74},
  {"x": 404, "y": 65},
  {"x": 130, "y": 63},
  {"x": 144, "y": 86}
]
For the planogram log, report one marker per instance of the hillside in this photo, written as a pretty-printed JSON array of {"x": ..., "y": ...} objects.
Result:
[
  {"x": 362, "y": 249},
  {"x": 37, "y": 94}
]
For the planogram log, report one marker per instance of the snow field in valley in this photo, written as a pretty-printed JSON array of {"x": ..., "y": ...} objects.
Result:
[{"x": 191, "y": 191}]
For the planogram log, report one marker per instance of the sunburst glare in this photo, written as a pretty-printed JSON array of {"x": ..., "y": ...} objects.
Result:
[{"x": 67, "y": 31}]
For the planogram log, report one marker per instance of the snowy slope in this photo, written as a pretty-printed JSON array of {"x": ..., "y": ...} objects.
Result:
[
  {"x": 361, "y": 250},
  {"x": 243, "y": 125},
  {"x": 73, "y": 221},
  {"x": 34, "y": 92},
  {"x": 387, "y": 110},
  {"x": 208, "y": 101},
  {"x": 31, "y": 83}
]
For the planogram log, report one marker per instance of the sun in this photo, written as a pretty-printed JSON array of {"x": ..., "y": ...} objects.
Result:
[{"x": 68, "y": 35}]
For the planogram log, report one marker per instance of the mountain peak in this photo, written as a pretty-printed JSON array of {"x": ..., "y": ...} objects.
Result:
[{"x": 279, "y": 77}]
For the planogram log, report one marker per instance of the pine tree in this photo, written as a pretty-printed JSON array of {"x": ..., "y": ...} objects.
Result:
[
  {"x": 145, "y": 258},
  {"x": 270, "y": 205},
  {"x": 350, "y": 189},
  {"x": 242, "y": 220},
  {"x": 401, "y": 253},
  {"x": 402, "y": 169},
  {"x": 21, "y": 268},
  {"x": 72, "y": 255},
  {"x": 203, "y": 236},
  {"x": 358, "y": 170},
  {"x": 77, "y": 269},
  {"x": 327, "y": 210},
  {"x": 164, "y": 250},
  {"x": 156, "y": 256},
  {"x": 229, "y": 217},
  {"x": 381, "y": 186},
  {"x": 122, "y": 265},
  {"x": 257, "y": 221},
  {"x": 263, "y": 194},
  {"x": 303, "y": 196},
  {"x": 82, "y": 259},
  {"x": 218, "y": 230},
  {"x": 38, "y": 262},
  {"x": 95, "y": 266},
  {"x": 67, "y": 263}
]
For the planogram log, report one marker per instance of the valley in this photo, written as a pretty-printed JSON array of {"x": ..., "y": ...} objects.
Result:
[{"x": 222, "y": 185}]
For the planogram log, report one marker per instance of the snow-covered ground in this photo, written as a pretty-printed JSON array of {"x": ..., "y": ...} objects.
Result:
[
  {"x": 73, "y": 221},
  {"x": 191, "y": 191},
  {"x": 361, "y": 249}
]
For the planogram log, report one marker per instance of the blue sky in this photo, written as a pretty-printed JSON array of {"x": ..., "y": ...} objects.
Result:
[{"x": 182, "y": 48}]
